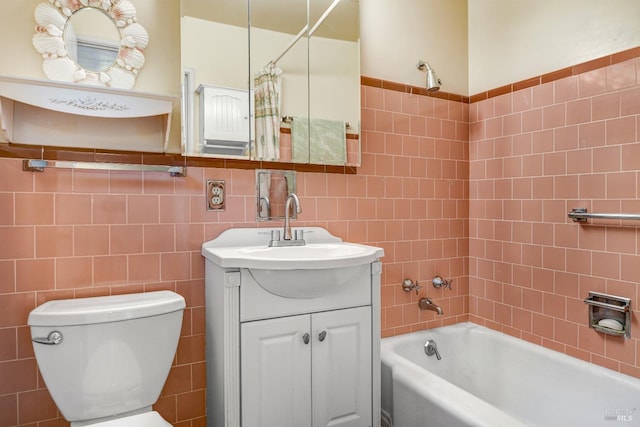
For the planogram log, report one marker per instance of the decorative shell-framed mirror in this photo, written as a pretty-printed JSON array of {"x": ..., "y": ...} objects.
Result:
[{"x": 97, "y": 42}]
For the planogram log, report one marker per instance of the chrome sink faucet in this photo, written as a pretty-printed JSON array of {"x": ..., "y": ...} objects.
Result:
[
  {"x": 287, "y": 212},
  {"x": 267, "y": 205},
  {"x": 288, "y": 240}
]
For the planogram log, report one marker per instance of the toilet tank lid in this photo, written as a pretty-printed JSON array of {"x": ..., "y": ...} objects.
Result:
[{"x": 114, "y": 308}]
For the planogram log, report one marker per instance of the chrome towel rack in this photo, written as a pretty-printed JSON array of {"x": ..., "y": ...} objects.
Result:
[
  {"x": 289, "y": 119},
  {"x": 582, "y": 215},
  {"x": 41, "y": 165}
]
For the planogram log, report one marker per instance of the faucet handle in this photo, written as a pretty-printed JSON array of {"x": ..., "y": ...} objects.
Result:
[
  {"x": 299, "y": 234},
  {"x": 409, "y": 285},
  {"x": 439, "y": 282},
  {"x": 431, "y": 348}
]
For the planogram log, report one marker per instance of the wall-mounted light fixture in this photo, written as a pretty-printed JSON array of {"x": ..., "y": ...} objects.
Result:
[{"x": 433, "y": 82}]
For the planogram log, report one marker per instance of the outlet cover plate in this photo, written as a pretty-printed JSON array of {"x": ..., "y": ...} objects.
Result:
[{"x": 216, "y": 195}]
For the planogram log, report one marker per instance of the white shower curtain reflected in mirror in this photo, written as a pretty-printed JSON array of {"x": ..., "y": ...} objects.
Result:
[{"x": 267, "y": 113}]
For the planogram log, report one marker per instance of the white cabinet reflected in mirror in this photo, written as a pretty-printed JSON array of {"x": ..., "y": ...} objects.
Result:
[
  {"x": 284, "y": 89},
  {"x": 215, "y": 90}
]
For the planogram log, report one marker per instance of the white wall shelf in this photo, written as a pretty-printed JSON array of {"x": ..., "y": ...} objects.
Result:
[{"x": 49, "y": 113}]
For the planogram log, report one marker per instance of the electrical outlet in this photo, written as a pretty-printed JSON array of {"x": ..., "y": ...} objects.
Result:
[{"x": 215, "y": 195}]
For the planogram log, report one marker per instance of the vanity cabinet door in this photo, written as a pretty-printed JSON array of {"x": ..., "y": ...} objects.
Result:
[
  {"x": 341, "y": 362},
  {"x": 309, "y": 370},
  {"x": 276, "y": 372}
]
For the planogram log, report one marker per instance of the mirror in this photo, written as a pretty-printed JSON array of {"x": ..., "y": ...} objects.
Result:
[
  {"x": 215, "y": 61},
  {"x": 334, "y": 82},
  {"x": 95, "y": 42},
  {"x": 272, "y": 189},
  {"x": 92, "y": 39},
  {"x": 280, "y": 77},
  {"x": 285, "y": 89}
]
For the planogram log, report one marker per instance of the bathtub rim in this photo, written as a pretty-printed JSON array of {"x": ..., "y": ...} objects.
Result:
[
  {"x": 437, "y": 389},
  {"x": 397, "y": 340},
  {"x": 405, "y": 368}
]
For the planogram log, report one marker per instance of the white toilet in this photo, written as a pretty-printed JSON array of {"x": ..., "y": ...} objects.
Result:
[{"x": 106, "y": 359}]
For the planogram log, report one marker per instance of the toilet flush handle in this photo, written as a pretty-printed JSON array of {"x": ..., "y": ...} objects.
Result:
[{"x": 54, "y": 338}]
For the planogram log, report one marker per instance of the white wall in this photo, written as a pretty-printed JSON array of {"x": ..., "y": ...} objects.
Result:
[
  {"x": 335, "y": 88},
  {"x": 512, "y": 40},
  {"x": 505, "y": 40},
  {"x": 477, "y": 45},
  {"x": 225, "y": 61},
  {"x": 17, "y": 27},
  {"x": 161, "y": 72},
  {"x": 395, "y": 34}
]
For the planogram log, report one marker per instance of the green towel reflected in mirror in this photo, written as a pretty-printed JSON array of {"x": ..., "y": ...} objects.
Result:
[{"x": 327, "y": 141}]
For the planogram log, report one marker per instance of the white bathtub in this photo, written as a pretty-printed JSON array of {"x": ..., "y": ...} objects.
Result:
[{"x": 487, "y": 378}]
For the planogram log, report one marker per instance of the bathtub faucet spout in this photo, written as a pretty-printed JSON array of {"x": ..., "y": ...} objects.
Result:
[
  {"x": 427, "y": 304},
  {"x": 431, "y": 348}
]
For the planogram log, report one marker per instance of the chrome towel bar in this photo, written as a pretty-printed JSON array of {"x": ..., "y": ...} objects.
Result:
[
  {"x": 41, "y": 165},
  {"x": 289, "y": 119},
  {"x": 581, "y": 215}
]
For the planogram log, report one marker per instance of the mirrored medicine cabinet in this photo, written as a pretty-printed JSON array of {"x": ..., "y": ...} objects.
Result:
[{"x": 272, "y": 80}]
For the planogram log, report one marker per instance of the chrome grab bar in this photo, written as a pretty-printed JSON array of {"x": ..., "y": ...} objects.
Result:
[
  {"x": 32, "y": 165},
  {"x": 623, "y": 306},
  {"x": 581, "y": 215}
]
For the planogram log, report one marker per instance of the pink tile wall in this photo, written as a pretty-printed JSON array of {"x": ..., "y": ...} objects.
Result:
[
  {"x": 70, "y": 234},
  {"x": 474, "y": 193},
  {"x": 412, "y": 200},
  {"x": 534, "y": 155}
]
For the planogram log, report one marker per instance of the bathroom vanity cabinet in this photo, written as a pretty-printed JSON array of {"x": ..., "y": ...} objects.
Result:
[
  {"x": 310, "y": 360},
  {"x": 309, "y": 370}
]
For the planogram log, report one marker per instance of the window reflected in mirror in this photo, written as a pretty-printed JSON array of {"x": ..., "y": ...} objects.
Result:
[{"x": 92, "y": 39}]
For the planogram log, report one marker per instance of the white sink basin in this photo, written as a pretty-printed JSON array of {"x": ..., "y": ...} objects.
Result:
[
  {"x": 310, "y": 256},
  {"x": 324, "y": 265},
  {"x": 303, "y": 284}
]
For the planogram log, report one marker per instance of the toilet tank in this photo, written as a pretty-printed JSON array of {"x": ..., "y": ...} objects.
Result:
[{"x": 115, "y": 353}]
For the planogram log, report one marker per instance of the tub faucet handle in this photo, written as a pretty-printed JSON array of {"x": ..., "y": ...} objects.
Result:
[
  {"x": 409, "y": 285},
  {"x": 431, "y": 348},
  {"x": 439, "y": 282}
]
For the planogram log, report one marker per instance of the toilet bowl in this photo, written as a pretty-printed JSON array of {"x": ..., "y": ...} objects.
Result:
[
  {"x": 106, "y": 359},
  {"x": 146, "y": 419}
]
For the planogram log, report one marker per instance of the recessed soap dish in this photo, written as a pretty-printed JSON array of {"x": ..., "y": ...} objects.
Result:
[{"x": 608, "y": 312}]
